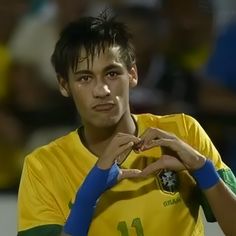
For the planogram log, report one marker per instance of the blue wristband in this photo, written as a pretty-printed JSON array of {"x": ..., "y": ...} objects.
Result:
[
  {"x": 206, "y": 176},
  {"x": 96, "y": 182},
  {"x": 81, "y": 214},
  {"x": 113, "y": 176}
]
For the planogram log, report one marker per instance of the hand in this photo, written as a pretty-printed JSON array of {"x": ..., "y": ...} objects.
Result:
[
  {"x": 177, "y": 155},
  {"x": 164, "y": 162},
  {"x": 189, "y": 157},
  {"x": 129, "y": 174},
  {"x": 117, "y": 150}
]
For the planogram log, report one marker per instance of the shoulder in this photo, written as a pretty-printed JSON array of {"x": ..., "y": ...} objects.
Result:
[
  {"x": 179, "y": 120},
  {"x": 52, "y": 152}
]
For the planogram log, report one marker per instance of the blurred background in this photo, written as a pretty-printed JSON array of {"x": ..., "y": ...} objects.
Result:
[{"x": 186, "y": 57}]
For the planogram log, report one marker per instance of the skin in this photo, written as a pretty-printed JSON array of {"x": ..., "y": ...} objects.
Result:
[
  {"x": 100, "y": 90},
  {"x": 109, "y": 130},
  {"x": 220, "y": 198}
]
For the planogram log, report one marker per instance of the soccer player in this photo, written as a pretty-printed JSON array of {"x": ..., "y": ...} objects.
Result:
[
  {"x": 94, "y": 60},
  {"x": 220, "y": 198}
]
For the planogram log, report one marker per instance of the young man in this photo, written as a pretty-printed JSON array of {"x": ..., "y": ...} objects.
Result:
[{"x": 95, "y": 64}]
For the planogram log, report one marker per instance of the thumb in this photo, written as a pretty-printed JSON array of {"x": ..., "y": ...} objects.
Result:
[{"x": 129, "y": 173}]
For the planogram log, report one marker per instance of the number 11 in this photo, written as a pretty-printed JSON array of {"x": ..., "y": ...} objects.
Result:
[{"x": 136, "y": 223}]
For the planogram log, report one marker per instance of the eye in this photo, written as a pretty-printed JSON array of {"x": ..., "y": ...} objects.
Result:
[
  {"x": 84, "y": 79},
  {"x": 112, "y": 74}
]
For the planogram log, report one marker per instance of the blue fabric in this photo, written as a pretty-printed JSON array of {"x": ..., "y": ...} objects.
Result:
[
  {"x": 96, "y": 182},
  {"x": 113, "y": 176},
  {"x": 221, "y": 65},
  {"x": 206, "y": 176}
]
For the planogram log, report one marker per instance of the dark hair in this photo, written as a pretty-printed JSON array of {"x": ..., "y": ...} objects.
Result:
[{"x": 94, "y": 34}]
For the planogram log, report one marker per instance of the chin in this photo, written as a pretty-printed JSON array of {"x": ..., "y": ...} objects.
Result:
[{"x": 107, "y": 122}]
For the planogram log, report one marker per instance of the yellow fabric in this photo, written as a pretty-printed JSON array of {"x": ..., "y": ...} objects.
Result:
[{"x": 53, "y": 173}]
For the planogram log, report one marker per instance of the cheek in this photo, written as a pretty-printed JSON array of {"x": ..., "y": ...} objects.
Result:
[
  {"x": 122, "y": 93},
  {"x": 80, "y": 97},
  {"x": 121, "y": 88}
]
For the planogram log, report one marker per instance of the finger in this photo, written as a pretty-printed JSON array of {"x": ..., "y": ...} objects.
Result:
[
  {"x": 123, "y": 152},
  {"x": 129, "y": 174},
  {"x": 151, "y": 169},
  {"x": 122, "y": 139},
  {"x": 164, "y": 162},
  {"x": 137, "y": 146},
  {"x": 169, "y": 143},
  {"x": 183, "y": 152},
  {"x": 145, "y": 137},
  {"x": 152, "y": 134},
  {"x": 172, "y": 163},
  {"x": 164, "y": 134},
  {"x": 157, "y": 133}
]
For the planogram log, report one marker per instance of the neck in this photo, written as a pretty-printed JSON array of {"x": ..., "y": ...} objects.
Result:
[{"x": 96, "y": 139}]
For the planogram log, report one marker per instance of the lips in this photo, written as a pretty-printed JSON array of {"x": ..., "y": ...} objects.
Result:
[{"x": 103, "y": 107}]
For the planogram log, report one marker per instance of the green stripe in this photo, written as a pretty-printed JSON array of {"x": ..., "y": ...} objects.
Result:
[
  {"x": 44, "y": 230},
  {"x": 228, "y": 177}
]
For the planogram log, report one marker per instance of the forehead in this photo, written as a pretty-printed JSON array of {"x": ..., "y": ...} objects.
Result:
[{"x": 108, "y": 55}]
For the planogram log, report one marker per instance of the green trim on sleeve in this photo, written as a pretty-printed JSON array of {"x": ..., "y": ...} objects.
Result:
[
  {"x": 228, "y": 177},
  {"x": 44, "y": 230}
]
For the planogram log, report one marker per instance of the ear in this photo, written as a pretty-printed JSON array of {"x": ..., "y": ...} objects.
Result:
[
  {"x": 63, "y": 86},
  {"x": 133, "y": 76}
]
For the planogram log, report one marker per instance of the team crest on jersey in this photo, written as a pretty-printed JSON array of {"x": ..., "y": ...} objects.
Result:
[{"x": 168, "y": 181}]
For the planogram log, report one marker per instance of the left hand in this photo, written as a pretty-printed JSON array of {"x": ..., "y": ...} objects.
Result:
[
  {"x": 164, "y": 162},
  {"x": 177, "y": 155},
  {"x": 173, "y": 147}
]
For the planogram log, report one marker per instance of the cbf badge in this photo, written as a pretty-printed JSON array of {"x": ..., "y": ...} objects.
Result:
[{"x": 168, "y": 181}]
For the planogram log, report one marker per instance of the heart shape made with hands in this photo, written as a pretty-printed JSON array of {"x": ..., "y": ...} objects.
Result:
[
  {"x": 148, "y": 140},
  {"x": 176, "y": 154},
  {"x": 168, "y": 160}
]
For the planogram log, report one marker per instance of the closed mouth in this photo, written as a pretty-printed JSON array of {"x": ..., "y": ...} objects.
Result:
[{"x": 103, "y": 107}]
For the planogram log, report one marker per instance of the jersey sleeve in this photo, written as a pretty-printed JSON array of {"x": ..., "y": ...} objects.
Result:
[
  {"x": 201, "y": 142},
  {"x": 38, "y": 213}
]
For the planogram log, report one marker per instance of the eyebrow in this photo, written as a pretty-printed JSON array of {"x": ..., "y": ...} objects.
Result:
[
  {"x": 109, "y": 67},
  {"x": 112, "y": 66},
  {"x": 83, "y": 72}
]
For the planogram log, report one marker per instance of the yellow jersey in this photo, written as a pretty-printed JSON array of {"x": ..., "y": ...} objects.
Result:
[{"x": 164, "y": 204}]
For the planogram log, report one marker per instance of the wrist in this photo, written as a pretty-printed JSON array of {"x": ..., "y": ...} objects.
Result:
[
  {"x": 201, "y": 160},
  {"x": 104, "y": 165},
  {"x": 82, "y": 210},
  {"x": 206, "y": 176}
]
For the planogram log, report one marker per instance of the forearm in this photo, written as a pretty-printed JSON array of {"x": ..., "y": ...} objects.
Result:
[
  {"x": 222, "y": 201},
  {"x": 223, "y": 204},
  {"x": 96, "y": 182}
]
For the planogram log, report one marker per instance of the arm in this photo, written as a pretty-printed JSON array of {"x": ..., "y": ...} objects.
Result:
[
  {"x": 221, "y": 199},
  {"x": 223, "y": 204},
  {"x": 82, "y": 211},
  {"x": 38, "y": 212},
  {"x": 102, "y": 176}
]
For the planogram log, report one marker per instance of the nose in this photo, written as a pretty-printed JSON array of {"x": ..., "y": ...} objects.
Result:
[{"x": 101, "y": 90}]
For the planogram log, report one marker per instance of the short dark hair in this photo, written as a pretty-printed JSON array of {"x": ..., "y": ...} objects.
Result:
[{"x": 94, "y": 34}]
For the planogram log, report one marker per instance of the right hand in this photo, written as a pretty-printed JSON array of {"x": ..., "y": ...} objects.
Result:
[{"x": 117, "y": 150}]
